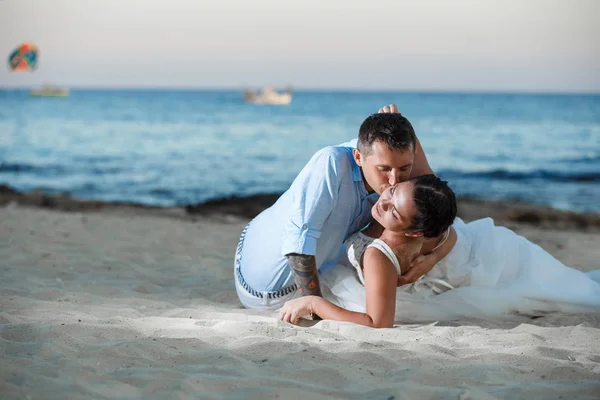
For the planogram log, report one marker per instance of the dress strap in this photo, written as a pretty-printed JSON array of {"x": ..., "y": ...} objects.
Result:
[
  {"x": 387, "y": 251},
  {"x": 442, "y": 240},
  {"x": 431, "y": 284}
]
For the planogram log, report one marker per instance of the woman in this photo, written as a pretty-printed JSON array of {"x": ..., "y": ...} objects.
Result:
[{"x": 493, "y": 271}]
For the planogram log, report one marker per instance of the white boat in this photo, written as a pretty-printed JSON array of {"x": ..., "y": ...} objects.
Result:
[
  {"x": 49, "y": 91},
  {"x": 268, "y": 96}
]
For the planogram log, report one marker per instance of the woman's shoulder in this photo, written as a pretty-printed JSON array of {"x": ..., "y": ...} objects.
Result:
[
  {"x": 378, "y": 254},
  {"x": 374, "y": 253}
]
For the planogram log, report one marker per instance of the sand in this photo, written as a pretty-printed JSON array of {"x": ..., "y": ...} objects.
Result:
[{"x": 129, "y": 304}]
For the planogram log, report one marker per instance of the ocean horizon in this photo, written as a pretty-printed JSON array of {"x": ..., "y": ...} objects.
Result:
[
  {"x": 303, "y": 89},
  {"x": 179, "y": 146}
]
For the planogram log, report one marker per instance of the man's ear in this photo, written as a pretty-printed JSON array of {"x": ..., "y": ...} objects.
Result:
[
  {"x": 357, "y": 156},
  {"x": 413, "y": 234}
]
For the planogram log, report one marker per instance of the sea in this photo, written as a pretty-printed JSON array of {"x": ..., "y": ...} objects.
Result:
[{"x": 180, "y": 147}]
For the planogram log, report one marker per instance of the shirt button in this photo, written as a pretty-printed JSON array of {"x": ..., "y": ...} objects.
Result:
[{"x": 304, "y": 226}]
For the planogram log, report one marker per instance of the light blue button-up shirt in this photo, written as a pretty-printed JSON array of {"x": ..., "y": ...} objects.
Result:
[{"x": 326, "y": 203}]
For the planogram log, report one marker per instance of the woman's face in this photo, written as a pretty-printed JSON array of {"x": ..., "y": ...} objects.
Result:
[{"x": 395, "y": 208}]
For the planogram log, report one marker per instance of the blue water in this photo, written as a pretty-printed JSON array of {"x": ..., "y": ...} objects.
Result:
[{"x": 180, "y": 147}]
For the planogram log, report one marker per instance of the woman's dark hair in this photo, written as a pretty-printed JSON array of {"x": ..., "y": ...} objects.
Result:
[{"x": 436, "y": 205}]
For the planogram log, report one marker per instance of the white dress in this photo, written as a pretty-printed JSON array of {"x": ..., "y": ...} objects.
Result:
[{"x": 494, "y": 273}]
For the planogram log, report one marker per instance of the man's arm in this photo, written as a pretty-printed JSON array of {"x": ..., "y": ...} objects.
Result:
[
  {"x": 314, "y": 193},
  {"x": 305, "y": 274}
]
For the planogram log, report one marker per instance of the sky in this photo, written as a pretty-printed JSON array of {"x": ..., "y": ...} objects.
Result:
[{"x": 430, "y": 45}]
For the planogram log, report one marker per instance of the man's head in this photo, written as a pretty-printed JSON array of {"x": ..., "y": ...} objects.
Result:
[{"x": 386, "y": 150}]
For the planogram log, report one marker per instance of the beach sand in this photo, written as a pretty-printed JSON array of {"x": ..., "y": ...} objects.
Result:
[{"x": 114, "y": 301}]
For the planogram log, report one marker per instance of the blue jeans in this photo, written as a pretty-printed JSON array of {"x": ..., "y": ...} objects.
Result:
[{"x": 251, "y": 298}]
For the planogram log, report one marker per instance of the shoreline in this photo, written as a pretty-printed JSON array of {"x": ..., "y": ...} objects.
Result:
[{"x": 247, "y": 207}]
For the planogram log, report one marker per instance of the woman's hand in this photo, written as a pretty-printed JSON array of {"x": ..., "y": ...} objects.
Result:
[
  {"x": 421, "y": 265},
  {"x": 420, "y": 163},
  {"x": 293, "y": 310},
  {"x": 391, "y": 109}
]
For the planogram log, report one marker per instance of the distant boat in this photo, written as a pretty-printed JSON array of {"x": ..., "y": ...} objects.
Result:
[
  {"x": 268, "y": 96},
  {"x": 49, "y": 91}
]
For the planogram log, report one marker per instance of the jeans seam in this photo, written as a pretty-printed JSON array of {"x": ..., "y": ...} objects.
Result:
[{"x": 238, "y": 261}]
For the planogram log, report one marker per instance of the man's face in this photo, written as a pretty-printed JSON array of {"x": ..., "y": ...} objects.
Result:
[{"x": 383, "y": 167}]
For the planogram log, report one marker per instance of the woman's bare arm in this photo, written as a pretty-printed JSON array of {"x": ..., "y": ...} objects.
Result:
[
  {"x": 293, "y": 310},
  {"x": 420, "y": 163},
  {"x": 423, "y": 263},
  {"x": 380, "y": 285}
]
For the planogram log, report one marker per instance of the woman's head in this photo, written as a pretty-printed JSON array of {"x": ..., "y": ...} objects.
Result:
[{"x": 424, "y": 205}]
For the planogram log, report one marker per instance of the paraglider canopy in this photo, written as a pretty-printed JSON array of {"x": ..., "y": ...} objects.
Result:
[{"x": 23, "y": 58}]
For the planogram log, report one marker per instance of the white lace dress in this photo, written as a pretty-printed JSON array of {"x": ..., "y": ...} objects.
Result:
[{"x": 494, "y": 271}]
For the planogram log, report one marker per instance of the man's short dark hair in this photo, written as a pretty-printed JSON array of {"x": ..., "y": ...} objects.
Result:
[{"x": 392, "y": 129}]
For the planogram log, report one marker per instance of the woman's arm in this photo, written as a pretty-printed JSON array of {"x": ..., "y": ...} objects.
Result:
[
  {"x": 423, "y": 263},
  {"x": 380, "y": 285},
  {"x": 445, "y": 248},
  {"x": 293, "y": 310},
  {"x": 420, "y": 163}
]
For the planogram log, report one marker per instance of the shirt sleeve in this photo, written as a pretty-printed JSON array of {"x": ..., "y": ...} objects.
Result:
[{"x": 314, "y": 196}]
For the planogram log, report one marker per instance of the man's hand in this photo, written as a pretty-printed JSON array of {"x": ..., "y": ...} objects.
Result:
[
  {"x": 421, "y": 265},
  {"x": 391, "y": 109}
]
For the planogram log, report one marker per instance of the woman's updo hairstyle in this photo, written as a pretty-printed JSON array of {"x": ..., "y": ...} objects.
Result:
[{"x": 435, "y": 203}]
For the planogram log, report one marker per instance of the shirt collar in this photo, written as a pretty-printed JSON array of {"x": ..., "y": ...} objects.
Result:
[
  {"x": 356, "y": 172},
  {"x": 358, "y": 177}
]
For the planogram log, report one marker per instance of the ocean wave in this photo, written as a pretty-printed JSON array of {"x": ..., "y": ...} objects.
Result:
[
  {"x": 30, "y": 168},
  {"x": 57, "y": 170},
  {"x": 537, "y": 175},
  {"x": 589, "y": 159}
]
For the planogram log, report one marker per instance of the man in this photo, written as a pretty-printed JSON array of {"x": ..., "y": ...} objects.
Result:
[{"x": 283, "y": 248}]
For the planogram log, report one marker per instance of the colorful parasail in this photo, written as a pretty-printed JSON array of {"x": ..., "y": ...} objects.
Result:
[{"x": 23, "y": 58}]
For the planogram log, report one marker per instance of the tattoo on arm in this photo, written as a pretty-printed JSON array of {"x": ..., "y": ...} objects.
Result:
[{"x": 305, "y": 274}]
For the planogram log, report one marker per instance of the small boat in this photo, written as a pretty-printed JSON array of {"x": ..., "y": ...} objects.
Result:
[
  {"x": 268, "y": 96},
  {"x": 49, "y": 91}
]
